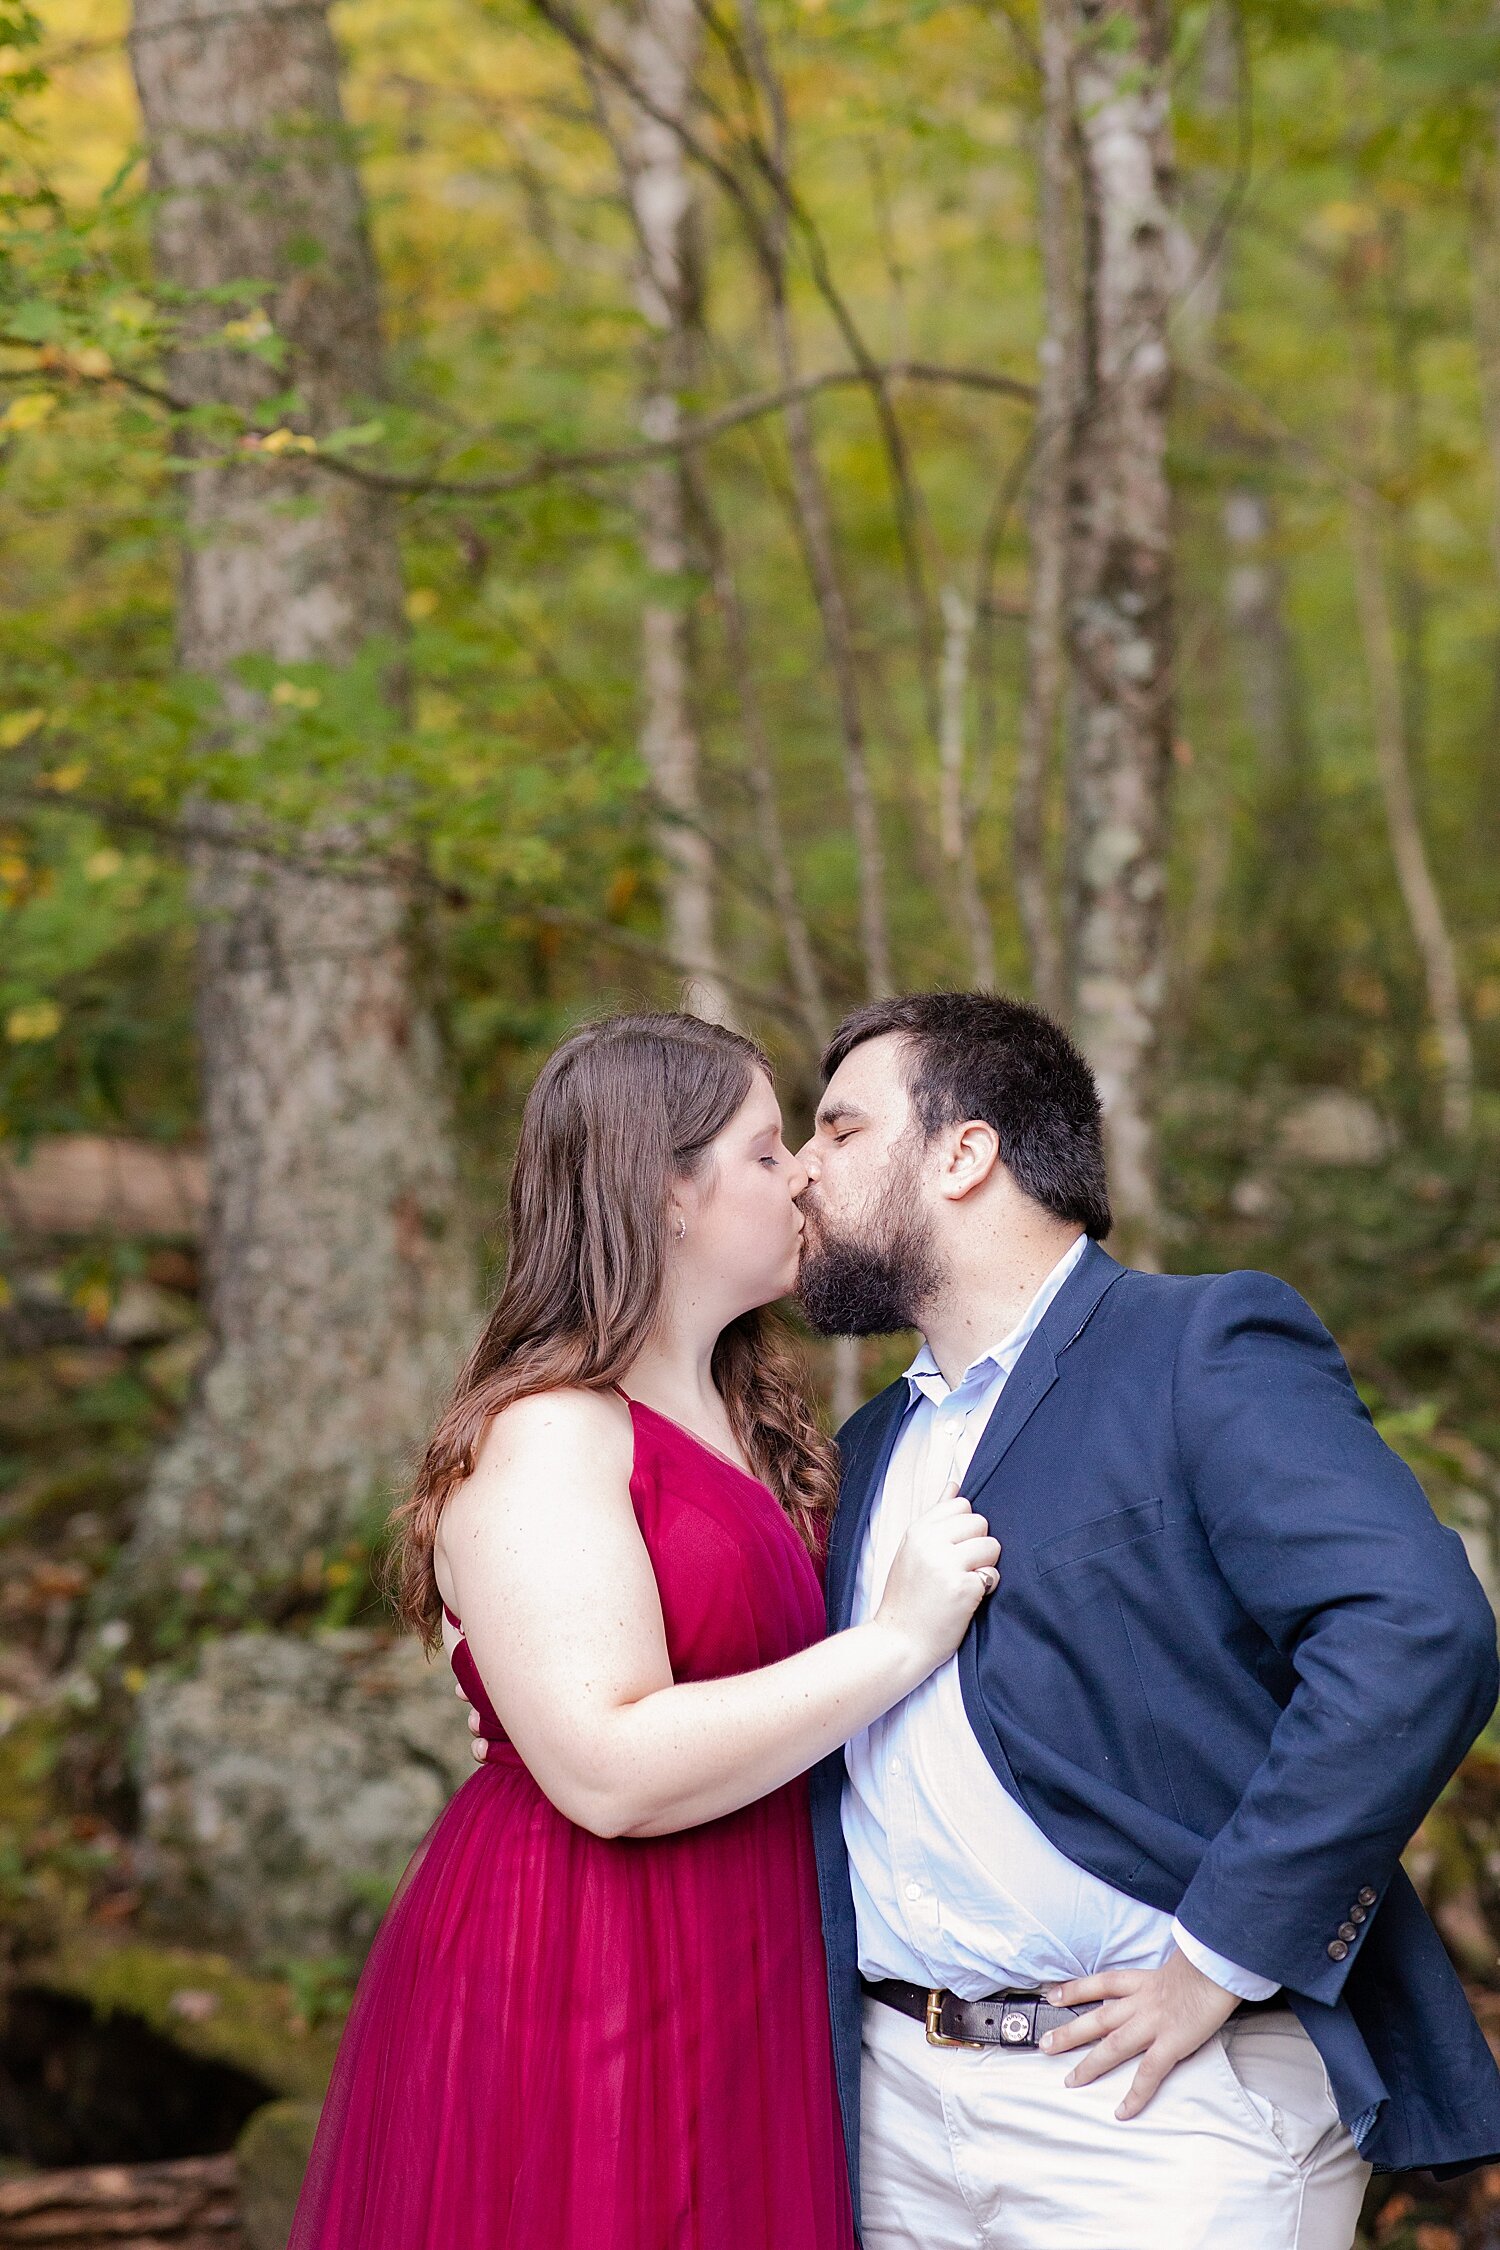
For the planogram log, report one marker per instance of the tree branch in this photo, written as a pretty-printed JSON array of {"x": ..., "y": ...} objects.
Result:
[{"x": 545, "y": 466}]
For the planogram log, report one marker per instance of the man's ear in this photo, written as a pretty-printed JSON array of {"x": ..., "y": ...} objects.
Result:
[{"x": 972, "y": 1155}]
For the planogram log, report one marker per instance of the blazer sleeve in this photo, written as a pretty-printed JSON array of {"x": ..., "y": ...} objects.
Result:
[{"x": 1329, "y": 1543}]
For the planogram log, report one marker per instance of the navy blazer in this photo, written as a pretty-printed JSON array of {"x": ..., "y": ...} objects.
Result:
[{"x": 1232, "y": 1660}]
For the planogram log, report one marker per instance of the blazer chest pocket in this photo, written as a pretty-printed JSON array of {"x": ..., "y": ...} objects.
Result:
[{"x": 1098, "y": 1555}]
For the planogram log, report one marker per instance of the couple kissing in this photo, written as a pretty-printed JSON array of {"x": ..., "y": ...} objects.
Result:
[{"x": 984, "y": 1835}]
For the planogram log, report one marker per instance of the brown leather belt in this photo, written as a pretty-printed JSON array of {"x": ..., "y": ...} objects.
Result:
[{"x": 1002, "y": 2019}]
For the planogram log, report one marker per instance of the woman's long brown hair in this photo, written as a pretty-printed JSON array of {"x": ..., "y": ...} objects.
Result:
[{"x": 618, "y": 1112}]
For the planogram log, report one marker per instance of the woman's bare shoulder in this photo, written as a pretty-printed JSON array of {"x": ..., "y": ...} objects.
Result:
[{"x": 567, "y": 1428}]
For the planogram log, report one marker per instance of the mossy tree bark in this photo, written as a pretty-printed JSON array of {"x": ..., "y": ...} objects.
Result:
[{"x": 339, "y": 1278}]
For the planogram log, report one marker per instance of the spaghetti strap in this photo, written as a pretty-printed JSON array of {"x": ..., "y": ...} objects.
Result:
[{"x": 456, "y": 1622}]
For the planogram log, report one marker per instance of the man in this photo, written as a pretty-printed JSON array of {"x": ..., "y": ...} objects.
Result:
[{"x": 1120, "y": 1952}]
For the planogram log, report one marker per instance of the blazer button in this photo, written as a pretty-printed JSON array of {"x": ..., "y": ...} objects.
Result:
[
  {"x": 1347, "y": 1930},
  {"x": 1367, "y": 1897},
  {"x": 1337, "y": 1950},
  {"x": 1357, "y": 1913}
]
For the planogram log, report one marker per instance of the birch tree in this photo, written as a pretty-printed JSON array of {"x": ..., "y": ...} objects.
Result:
[
  {"x": 1419, "y": 891},
  {"x": 1047, "y": 510},
  {"x": 338, "y": 1270},
  {"x": 1118, "y": 605},
  {"x": 663, "y": 53}
]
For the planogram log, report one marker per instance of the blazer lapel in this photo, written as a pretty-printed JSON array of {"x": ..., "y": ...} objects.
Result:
[
  {"x": 1035, "y": 1371},
  {"x": 863, "y": 1476},
  {"x": 1033, "y": 1376}
]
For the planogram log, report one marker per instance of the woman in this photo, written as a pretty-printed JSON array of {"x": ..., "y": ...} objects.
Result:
[{"x": 596, "y": 2013}]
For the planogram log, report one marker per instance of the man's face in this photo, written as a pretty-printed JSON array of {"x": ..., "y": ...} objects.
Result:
[{"x": 869, "y": 1261}]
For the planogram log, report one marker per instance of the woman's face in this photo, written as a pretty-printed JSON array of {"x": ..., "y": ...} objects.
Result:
[{"x": 741, "y": 1230}]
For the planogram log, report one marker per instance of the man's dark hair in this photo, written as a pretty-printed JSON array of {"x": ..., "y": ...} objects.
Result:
[{"x": 976, "y": 1054}]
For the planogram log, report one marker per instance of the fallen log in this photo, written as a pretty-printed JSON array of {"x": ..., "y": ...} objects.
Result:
[
  {"x": 192, "y": 2204},
  {"x": 100, "y": 1183}
]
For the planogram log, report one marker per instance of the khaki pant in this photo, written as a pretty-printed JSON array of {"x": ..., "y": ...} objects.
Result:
[{"x": 1241, "y": 2149}]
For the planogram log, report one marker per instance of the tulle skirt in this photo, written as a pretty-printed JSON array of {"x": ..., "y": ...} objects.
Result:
[{"x": 563, "y": 2041}]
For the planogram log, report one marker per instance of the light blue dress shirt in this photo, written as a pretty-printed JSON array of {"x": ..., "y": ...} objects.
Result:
[{"x": 954, "y": 1884}]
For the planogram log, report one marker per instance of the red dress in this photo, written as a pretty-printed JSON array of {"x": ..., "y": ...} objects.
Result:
[{"x": 566, "y": 2042}]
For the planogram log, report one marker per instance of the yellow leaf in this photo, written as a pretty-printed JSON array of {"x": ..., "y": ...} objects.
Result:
[
  {"x": 435, "y": 711},
  {"x": 420, "y": 603},
  {"x": 66, "y": 778},
  {"x": 287, "y": 441},
  {"x": 1340, "y": 221},
  {"x": 15, "y": 727},
  {"x": 289, "y": 695},
  {"x": 100, "y": 865},
  {"x": 130, "y": 312},
  {"x": 13, "y": 869},
  {"x": 28, "y": 410},
  {"x": 133, "y": 1679},
  {"x": 35, "y": 1020},
  {"x": 90, "y": 360},
  {"x": 253, "y": 329}
]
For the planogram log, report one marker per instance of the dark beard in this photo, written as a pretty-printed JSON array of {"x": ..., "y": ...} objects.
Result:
[{"x": 875, "y": 1286}]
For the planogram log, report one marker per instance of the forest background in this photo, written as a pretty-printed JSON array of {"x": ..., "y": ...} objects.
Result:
[{"x": 509, "y": 508}]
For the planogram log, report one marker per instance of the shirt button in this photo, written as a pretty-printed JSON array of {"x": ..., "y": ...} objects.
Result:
[
  {"x": 1337, "y": 1950},
  {"x": 914, "y": 1890},
  {"x": 895, "y": 1765}
]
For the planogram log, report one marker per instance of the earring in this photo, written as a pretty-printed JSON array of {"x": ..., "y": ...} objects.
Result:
[{"x": 682, "y": 1229}]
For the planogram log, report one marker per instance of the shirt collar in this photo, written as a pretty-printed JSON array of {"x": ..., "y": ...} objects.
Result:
[{"x": 924, "y": 1378}]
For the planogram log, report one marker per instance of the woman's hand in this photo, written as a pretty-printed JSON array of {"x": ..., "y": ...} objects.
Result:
[{"x": 944, "y": 1567}]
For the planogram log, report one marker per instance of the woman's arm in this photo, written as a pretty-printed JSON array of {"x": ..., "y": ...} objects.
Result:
[{"x": 540, "y": 1554}]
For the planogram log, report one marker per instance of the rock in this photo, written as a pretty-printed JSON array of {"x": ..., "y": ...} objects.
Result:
[
  {"x": 1333, "y": 1127},
  {"x": 271, "y": 2155},
  {"x": 145, "y": 1314},
  {"x": 255, "y": 2027},
  {"x": 288, "y": 1781},
  {"x": 1255, "y": 1197}
]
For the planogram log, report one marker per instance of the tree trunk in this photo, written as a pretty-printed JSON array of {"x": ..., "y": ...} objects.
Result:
[
  {"x": 815, "y": 531},
  {"x": 1407, "y": 404},
  {"x": 955, "y": 827},
  {"x": 1118, "y": 582},
  {"x": 1275, "y": 706},
  {"x": 664, "y": 44},
  {"x": 1484, "y": 266},
  {"x": 1255, "y": 603},
  {"x": 339, "y": 1277},
  {"x": 1047, "y": 513},
  {"x": 1419, "y": 891},
  {"x": 801, "y": 955}
]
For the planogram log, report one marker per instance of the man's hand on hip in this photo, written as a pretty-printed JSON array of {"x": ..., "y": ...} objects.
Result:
[{"x": 1163, "y": 2015}]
